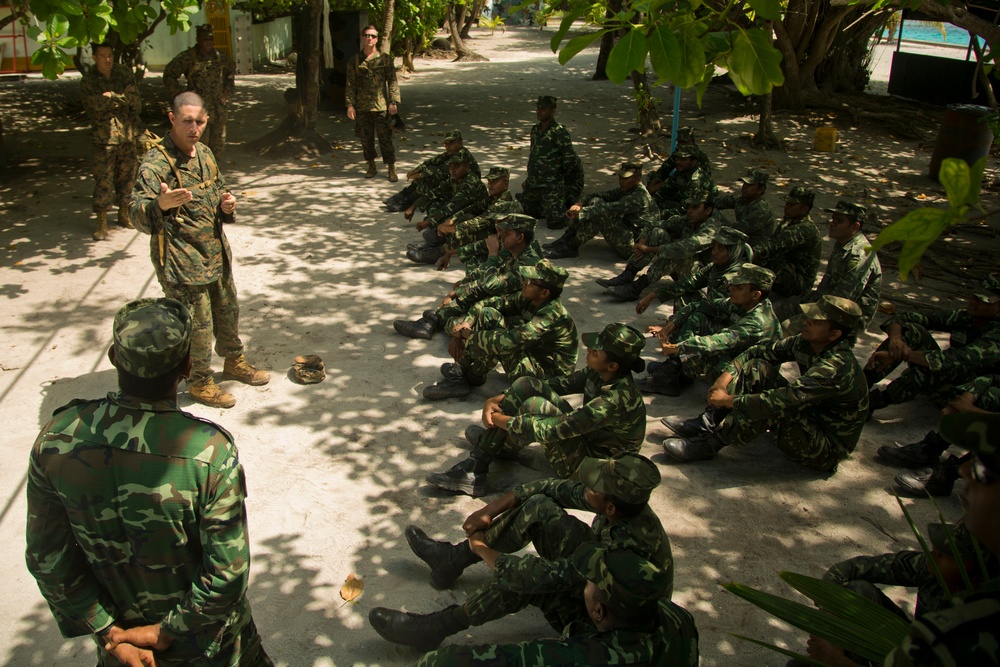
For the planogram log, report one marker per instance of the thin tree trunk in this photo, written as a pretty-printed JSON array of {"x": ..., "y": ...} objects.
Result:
[
  {"x": 765, "y": 128},
  {"x": 390, "y": 11},
  {"x": 471, "y": 17},
  {"x": 464, "y": 53},
  {"x": 646, "y": 114}
]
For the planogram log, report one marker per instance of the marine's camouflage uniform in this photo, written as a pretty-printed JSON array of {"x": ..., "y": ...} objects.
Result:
[
  {"x": 468, "y": 196},
  {"x": 472, "y": 228},
  {"x": 903, "y": 568},
  {"x": 706, "y": 282},
  {"x": 555, "y": 175},
  {"x": 753, "y": 218},
  {"x": 136, "y": 516},
  {"x": 116, "y": 127},
  {"x": 189, "y": 249},
  {"x": 677, "y": 188},
  {"x": 678, "y": 246},
  {"x": 817, "y": 419},
  {"x": 986, "y": 391},
  {"x": 612, "y": 419},
  {"x": 670, "y": 165},
  {"x": 212, "y": 77},
  {"x": 793, "y": 253},
  {"x": 369, "y": 81},
  {"x": 434, "y": 183},
  {"x": 618, "y": 215}
]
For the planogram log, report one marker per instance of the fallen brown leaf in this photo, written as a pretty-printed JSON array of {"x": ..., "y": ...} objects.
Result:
[{"x": 352, "y": 588}]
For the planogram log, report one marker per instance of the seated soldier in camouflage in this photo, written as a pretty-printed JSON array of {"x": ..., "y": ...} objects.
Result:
[
  {"x": 793, "y": 252},
  {"x": 729, "y": 252},
  {"x": 753, "y": 216},
  {"x": 611, "y": 420},
  {"x": 687, "y": 177},
  {"x": 816, "y": 420},
  {"x": 707, "y": 335},
  {"x": 465, "y": 195},
  {"x": 616, "y": 489},
  {"x": 685, "y": 137},
  {"x": 671, "y": 248},
  {"x": 529, "y": 334},
  {"x": 631, "y": 622},
  {"x": 617, "y": 214},
  {"x": 512, "y": 247},
  {"x": 429, "y": 178}
]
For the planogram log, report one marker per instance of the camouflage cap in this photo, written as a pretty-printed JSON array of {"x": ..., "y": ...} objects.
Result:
[
  {"x": 516, "y": 222},
  {"x": 619, "y": 339},
  {"x": 751, "y": 274},
  {"x": 835, "y": 308},
  {"x": 800, "y": 195},
  {"x": 461, "y": 155},
  {"x": 205, "y": 30},
  {"x": 545, "y": 102},
  {"x": 626, "y": 579},
  {"x": 629, "y": 477},
  {"x": 547, "y": 272},
  {"x": 685, "y": 150},
  {"x": 628, "y": 170},
  {"x": 755, "y": 177},
  {"x": 978, "y": 432},
  {"x": 685, "y": 135},
  {"x": 699, "y": 197},
  {"x": 497, "y": 173},
  {"x": 730, "y": 236},
  {"x": 454, "y": 135},
  {"x": 151, "y": 336},
  {"x": 989, "y": 290},
  {"x": 856, "y": 212},
  {"x": 938, "y": 534}
]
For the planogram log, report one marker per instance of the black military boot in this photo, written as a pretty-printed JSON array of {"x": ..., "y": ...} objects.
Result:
[
  {"x": 425, "y": 254},
  {"x": 456, "y": 384},
  {"x": 876, "y": 401},
  {"x": 624, "y": 278},
  {"x": 699, "y": 448},
  {"x": 423, "y": 328},
  {"x": 468, "y": 476},
  {"x": 422, "y": 631},
  {"x": 474, "y": 433},
  {"x": 447, "y": 561},
  {"x": 704, "y": 423},
  {"x": 401, "y": 200},
  {"x": 668, "y": 379},
  {"x": 630, "y": 292},
  {"x": 923, "y": 454},
  {"x": 935, "y": 481},
  {"x": 473, "y": 380}
]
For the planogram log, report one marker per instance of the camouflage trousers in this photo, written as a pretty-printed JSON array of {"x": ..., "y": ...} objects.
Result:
[
  {"x": 799, "y": 438},
  {"x": 367, "y": 125},
  {"x": 538, "y": 521},
  {"x": 483, "y": 350},
  {"x": 215, "y": 132},
  {"x": 215, "y": 311},
  {"x": 246, "y": 651},
  {"x": 659, "y": 266},
  {"x": 531, "y": 396},
  {"x": 545, "y": 203},
  {"x": 708, "y": 365},
  {"x": 114, "y": 169},
  {"x": 618, "y": 235}
]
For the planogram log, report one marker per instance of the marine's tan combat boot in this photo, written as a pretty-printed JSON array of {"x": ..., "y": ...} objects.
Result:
[
  {"x": 210, "y": 394},
  {"x": 392, "y": 173},
  {"x": 101, "y": 230},
  {"x": 123, "y": 217},
  {"x": 237, "y": 368},
  {"x": 372, "y": 170}
]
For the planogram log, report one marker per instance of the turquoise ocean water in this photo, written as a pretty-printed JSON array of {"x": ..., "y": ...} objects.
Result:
[{"x": 925, "y": 32}]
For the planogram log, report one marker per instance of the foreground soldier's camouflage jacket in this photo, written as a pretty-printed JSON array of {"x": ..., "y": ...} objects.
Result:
[
  {"x": 497, "y": 276},
  {"x": 735, "y": 329},
  {"x": 613, "y": 414},
  {"x": 753, "y": 218},
  {"x": 468, "y": 196},
  {"x": 115, "y": 117},
  {"x": 854, "y": 274},
  {"x": 136, "y": 516},
  {"x": 903, "y": 568},
  {"x": 552, "y": 162},
  {"x": 369, "y": 80},
  {"x": 187, "y": 244},
  {"x": 210, "y": 76},
  {"x": 793, "y": 253},
  {"x": 635, "y": 208}
]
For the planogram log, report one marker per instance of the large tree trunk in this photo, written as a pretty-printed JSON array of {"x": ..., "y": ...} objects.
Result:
[
  {"x": 390, "y": 10},
  {"x": 464, "y": 53},
  {"x": 646, "y": 113}
]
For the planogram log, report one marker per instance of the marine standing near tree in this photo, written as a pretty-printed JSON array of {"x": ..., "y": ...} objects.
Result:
[
  {"x": 372, "y": 95},
  {"x": 209, "y": 73},
  {"x": 181, "y": 200},
  {"x": 555, "y": 172},
  {"x": 112, "y": 104}
]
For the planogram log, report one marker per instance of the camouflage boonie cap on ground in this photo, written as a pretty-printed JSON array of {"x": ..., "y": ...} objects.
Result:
[
  {"x": 619, "y": 339},
  {"x": 629, "y": 477},
  {"x": 699, "y": 197},
  {"x": 686, "y": 151},
  {"x": 308, "y": 369},
  {"x": 800, "y": 195},
  {"x": 938, "y": 534},
  {"x": 151, "y": 336},
  {"x": 547, "y": 272},
  {"x": 205, "y": 30},
  {"x": 730, "y": 236},
  {"x": 461, "y": 155},
  {"x": 977, "y": 432},
  {"x": 836, "y": 308},
  {"x": 855, "y": 211},
  {"x": 626, "y": 579},
  {"x": 756, "y": 177},
  {"x": 545, "y": 102},
  {"x": 751, "y": 274},
  {"x": 497, "y": 172},
  {"x": 454, "y": 135},
  {"x": 628, "y": 170},
  {"x": 989, "y": 290},
  {"x": 516, "y": 222}
]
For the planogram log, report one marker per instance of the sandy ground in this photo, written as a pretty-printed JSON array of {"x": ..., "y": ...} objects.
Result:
[{"x": 335, "y": 471}]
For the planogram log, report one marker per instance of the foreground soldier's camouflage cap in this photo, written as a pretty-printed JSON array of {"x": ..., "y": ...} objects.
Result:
[
  {"x": 629, "y": 477},
  {"x": 461, "y": 155},
  {"x": 730, "y": 236},
  {"x": 686, "y": 150},
  {"x": 800, "y": 195},
  {"x": 756, "y": 177},
  {"x": 626, "y": 579},
  {"x": 836, "y": 308},
  {"x": 205, "y": 30},
  {"x": 699, "y": 197},
  {"x": 628, "y": 170},
  {"x": 751, "y": 274},
  {"x": 516, "y": 222},
  {"x": 989, "y": 290},
  {"x": 151, "y": 336},
  {"x": 497, "y": 172},
  {"x": 855, "y": 211},
  {"x": 545, "y": 102},
  {"x": 454, "y": 135},
  {"x": 619, "y": 339},
  {"x": 938, "y": 534},
  {"x": 547, "y": 272},
  {"x": 977, "y": 432}
]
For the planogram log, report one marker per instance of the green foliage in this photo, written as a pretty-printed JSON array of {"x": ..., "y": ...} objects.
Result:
[
  {"x": 414, "y": 21},
  {"x": 493, "y": 23}
]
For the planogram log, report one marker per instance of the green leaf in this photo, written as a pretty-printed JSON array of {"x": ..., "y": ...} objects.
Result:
[
  {"x": 769, "y": 10},
  {"x": 954, "y": 176},
  {"x": 791, "y": 654},
  {"x": 664, "y": 53},
  {"x": 70, "y": 8},
  {"x": 754, "y": 64},
  {"x": 703, "y": 84},
  {"x": 577, "y": 44},
  {"x": 98, "y": 28},
  {"x": 917, "y": 230},
  {"x": 57, "y": 25},
  {"x": 565, "y": 25},
  {"x": 691, "y": 64},
  {"x": 627, "y": 55}
]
